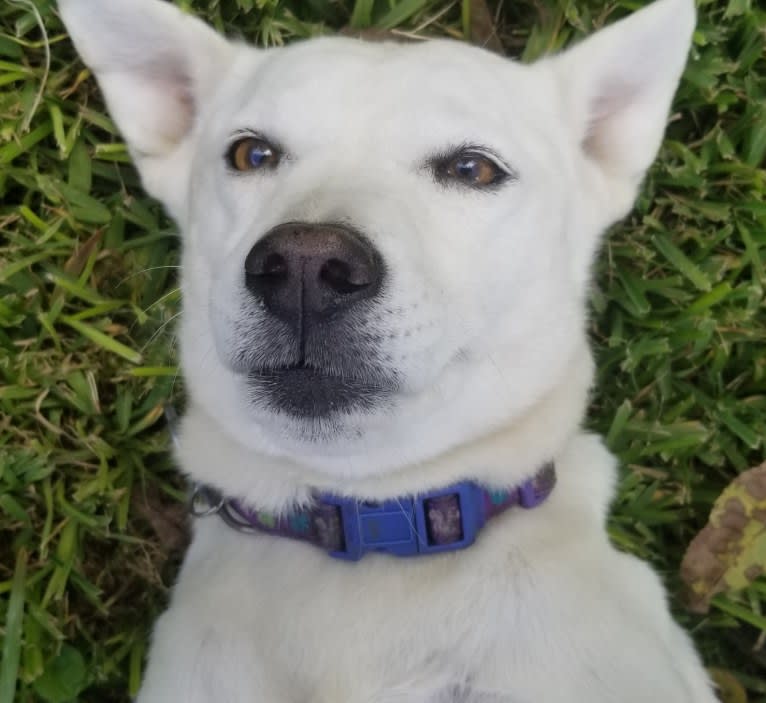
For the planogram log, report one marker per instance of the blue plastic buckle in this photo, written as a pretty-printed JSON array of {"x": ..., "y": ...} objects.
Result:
[{"x": 401, "y": 526}]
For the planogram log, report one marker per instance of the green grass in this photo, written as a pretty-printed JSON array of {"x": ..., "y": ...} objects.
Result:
[{"x": 90, "y": 531}]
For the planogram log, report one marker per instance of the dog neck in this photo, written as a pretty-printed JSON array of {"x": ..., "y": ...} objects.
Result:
[{"x": 503, "y": 458}]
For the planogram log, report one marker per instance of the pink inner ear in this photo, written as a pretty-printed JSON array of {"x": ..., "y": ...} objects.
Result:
[
  {"x": 614, "y": 98},
  {"x": 171, "y": 80},
  {"x": 171, "y": 107},
  {"x": 187, "y": 108}
]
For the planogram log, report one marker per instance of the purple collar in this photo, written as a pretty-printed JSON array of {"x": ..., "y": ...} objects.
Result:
[{"x": 438, "y": 521}]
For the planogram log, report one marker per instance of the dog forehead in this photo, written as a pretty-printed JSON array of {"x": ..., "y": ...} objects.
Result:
[
  {"x": 331, "y": 84},
  {"x": 341, "y": 59}
]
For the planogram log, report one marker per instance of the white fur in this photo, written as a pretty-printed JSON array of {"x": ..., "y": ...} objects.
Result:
[{"x": 483, "y": 321}]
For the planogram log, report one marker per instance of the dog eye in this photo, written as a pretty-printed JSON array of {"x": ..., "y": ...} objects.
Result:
[
  {"x": 475, "y": 170},
  {"x": 470, "y": 167},
  {"x": 252, "y": 154}
]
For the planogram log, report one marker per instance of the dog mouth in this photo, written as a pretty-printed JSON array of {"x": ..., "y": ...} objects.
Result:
[{"x": 308, "y": 392}]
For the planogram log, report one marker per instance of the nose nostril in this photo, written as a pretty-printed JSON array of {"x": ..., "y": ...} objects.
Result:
[
  {"x": 274, "y": 266},
  {"x": 342, "y": 278}
]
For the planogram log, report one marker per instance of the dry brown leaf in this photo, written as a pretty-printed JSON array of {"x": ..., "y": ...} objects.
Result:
[
  {"x": 169, "y": 520},
  {"x": 76, "y": 263},
  {"x": 483, "y": 29},
  {"x": 729, "y": 689},
  {"x": 730, "y": 551}
]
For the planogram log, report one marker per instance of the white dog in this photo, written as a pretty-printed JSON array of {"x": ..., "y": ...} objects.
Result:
[{"x": 386, "y": 264}]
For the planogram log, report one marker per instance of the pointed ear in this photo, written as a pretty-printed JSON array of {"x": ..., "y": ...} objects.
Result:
[
  {"x": 156, "y": 66},
  {"x": 618, "y": 86}
]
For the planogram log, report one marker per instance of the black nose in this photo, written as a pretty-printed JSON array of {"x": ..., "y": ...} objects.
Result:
[{"x": 302, "y": 270}]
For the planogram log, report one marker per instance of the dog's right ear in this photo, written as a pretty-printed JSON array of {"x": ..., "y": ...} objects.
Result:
[{"x": 155, "y": 66}]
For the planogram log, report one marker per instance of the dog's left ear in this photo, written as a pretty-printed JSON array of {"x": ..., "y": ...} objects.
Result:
[
  {"x": 156, "y": 66},
  {"x": 618, "y": 86}
]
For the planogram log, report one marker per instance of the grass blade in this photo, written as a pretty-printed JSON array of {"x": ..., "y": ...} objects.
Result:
[{"x": 13, "y": 627}]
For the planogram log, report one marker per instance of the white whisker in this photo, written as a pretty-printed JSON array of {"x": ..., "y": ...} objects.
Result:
[{"x": 159, "y": 331}]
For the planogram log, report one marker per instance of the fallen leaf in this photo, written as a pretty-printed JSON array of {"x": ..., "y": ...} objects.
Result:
[
  {"x": 483, "y": 29},
  {"x": 76, "y": 263},
  {"x": 729, "y": 689},
  {"x": 169, "y": 520},
  {"x": 730, "y": 551}
]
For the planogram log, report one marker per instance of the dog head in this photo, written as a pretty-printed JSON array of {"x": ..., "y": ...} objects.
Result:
[{"x": 386, "y": 247}]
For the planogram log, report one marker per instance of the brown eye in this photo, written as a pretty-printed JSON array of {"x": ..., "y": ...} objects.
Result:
[
  {"x": 474, "y": 170},
  {"x": 252, "y": 154},
  {"x": 470, "y": 167}
]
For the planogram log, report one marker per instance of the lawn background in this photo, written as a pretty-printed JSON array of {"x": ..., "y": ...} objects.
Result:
[{"x": 91, "y": 527}]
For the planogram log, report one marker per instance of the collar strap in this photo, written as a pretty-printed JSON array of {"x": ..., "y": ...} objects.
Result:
[{"x": 438, "y": 521}]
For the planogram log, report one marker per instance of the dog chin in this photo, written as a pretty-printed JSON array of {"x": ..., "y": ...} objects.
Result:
[
  {"x": 311, "y": 395},
  {"x": 308, "y": 436},
  {"x": 305, "y": 405}
]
